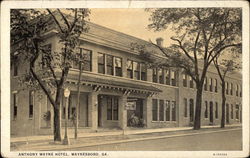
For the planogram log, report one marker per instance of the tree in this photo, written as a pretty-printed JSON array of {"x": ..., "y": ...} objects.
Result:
[
  {"x": 224, "y": 66},
  {"x": 28, "y": 30},
  {"x": 201, "y": 35}
]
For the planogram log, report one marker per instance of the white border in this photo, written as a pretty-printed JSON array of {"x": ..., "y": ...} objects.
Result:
[{"x": 5, "y": 66}]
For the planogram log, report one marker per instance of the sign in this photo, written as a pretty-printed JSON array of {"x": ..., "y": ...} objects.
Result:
[{"x": 130, "y": 106}]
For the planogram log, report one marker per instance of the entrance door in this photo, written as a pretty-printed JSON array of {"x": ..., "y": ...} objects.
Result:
[
  {"x": 211, "y": 117},
  {"x": 191, "y": 110},
  {"x": 227, "y": 113},
  {"x": 134, "y": 111}
]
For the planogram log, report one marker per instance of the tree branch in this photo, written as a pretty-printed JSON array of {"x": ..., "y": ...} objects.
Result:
[
  {"x": 58, "y": 24},
  {"x": 65, "y": 20},
  {"x": 183, "y": 49}
]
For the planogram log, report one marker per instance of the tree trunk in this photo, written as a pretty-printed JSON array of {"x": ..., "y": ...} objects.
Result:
[
  {"x": 223, "y": 104},
  {"x": 197, "y": 120},
  {"x": 57, "y": 124}
]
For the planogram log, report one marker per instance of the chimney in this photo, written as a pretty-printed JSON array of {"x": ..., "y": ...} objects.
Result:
[{"x": 159, "y": 41}]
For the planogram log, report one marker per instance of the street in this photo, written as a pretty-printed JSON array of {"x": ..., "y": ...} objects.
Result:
[{"x": 219, "y": 140}]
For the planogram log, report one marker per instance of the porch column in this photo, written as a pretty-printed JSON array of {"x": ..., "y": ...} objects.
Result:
[
  {"x": 122, "y": 112},
  {"x": 147, "y": 111},
  {"x": 92, "y": 110}
]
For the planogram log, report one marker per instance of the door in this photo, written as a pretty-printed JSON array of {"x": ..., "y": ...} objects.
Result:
[
  {"x": 211, "y": 114},
  {"x": 227, "y": 113}
]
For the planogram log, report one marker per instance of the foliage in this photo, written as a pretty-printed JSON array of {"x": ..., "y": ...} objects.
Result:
[{"x": 202, "y": 34}]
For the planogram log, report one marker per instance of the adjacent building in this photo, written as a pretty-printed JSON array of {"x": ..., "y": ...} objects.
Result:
[{"x": 116, "y": 84}]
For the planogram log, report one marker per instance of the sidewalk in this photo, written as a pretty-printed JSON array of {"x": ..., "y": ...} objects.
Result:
[{"x": 108, "y": 137}]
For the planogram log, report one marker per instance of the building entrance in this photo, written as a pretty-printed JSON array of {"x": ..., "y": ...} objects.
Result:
[{"x": 134, "y": 112}]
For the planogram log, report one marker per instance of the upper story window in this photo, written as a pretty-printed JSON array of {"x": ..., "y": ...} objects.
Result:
[
  {"x": 174, "y": 78},
  {"x": 167, "y": 76},
  {"x": 231, "y": 89},
  {"x": 184, "y": 78},
  {"x": 211, "y": 85},
  {"x": 136, "y": 70},
  {"x": 205, "y": 84},
  {"x": 136, "y": 66},
  {"x": 215, "y": 85},
  {"x": 101, "y": 63},
  {"x": 191, "y": 82},
  {"x": 86, "y": 59},
  {"x": 155, "y": 75},
  {"x": 108, "y": 64},
  {"x": 161, "y": 75}
]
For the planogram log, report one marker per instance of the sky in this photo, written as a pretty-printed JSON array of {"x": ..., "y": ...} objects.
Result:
[{"x": 133, "y": 22}]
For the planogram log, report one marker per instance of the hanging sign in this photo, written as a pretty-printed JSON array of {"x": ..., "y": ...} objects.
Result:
[{"x": 130, "y": 106}]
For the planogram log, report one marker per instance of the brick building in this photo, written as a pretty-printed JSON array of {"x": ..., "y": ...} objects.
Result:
[{"x": 116, "y": 83}]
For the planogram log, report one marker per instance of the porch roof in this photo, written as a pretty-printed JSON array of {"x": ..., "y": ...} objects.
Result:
[{"x": 120, "y": 85}]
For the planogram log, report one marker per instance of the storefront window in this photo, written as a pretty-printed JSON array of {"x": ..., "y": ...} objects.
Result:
[
  {"x": 237, "y": 108},
  {"x": 173, "y": 111},
  {"x": 161, "y": 110},
  {"x": 155, "y": 110},
  {"x": 112, "y": 108},
  {"x": 109, "y": 108},
  {"x": 167, "y": 110}
]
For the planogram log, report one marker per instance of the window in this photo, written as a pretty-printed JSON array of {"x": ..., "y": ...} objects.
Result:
[
  {"x": 205, "y": 84},
  {"x": 155, "y": 110},
  {"x": 155, "y": 75},
  {"x": 191, "y": 110},
  {"x": 232, "y": 111},
  {"x": 191, "y": 82},
  {"x": 216, "y": 110},
  {"x": 167, "y": 77},
  {"x": 101, "y": 63},
  {"x": 115, "y": 109},
  {"x": 136, "y": 70},
  {"x": 86, "y": 57},
  {"x": 161, "y": 76},
  {"x": 185, "y": 107},
  {"x": 227, "y": 87},
  {"x": 173, "y": 111},
  {"x": 31, "y": 103},
  {"x": 184, "y": 78},
  {"x": 237, "y": 109},
  {"x": 237, "y": 90},
  {"x": 143, "y": 72},
  {"x": 161, "y": 110},
  {"x": 112, "y": 108},
  {"x": 174, "y": 78},
  {"x": 206, "y": 110},
  {"x": 118, "y": 66},
  {"x": 167, "y": 108},
  {"x": 231, "y": 90},
  {"x": 110, "y": 64},
  {"x": 211, "y": 85},
  {"x": 15, "y": 105},
  {"x": 109, "y": 108},
  {"x": 216, "y": 85},
  {"x": 129, "y": 69},
  {"x": 136, "y": 66}
]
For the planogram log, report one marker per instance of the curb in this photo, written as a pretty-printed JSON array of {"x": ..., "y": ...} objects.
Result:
[{"x": 130, "y": 140}]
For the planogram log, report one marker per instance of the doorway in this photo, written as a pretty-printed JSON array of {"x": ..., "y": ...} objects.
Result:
[{"x": 135, "y": 110}]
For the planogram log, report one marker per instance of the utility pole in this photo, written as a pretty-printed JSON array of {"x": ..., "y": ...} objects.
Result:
[{"x": 78, "y": 99}]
